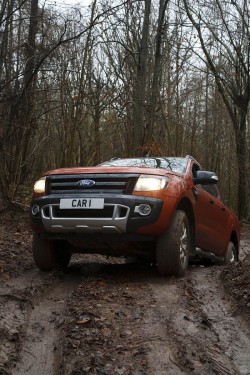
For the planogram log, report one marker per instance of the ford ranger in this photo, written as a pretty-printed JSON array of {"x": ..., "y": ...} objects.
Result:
[{"x": 166, "y": 209}]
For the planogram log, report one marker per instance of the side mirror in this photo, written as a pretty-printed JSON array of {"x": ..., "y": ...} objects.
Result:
[{"x": 205, "y": 178}]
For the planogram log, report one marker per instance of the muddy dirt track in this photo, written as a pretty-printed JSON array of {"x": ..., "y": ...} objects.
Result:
[{"x": 105, "y": 316}]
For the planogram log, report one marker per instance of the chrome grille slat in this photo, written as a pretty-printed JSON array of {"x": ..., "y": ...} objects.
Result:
[
  {"x": 85, "y": 191},
  {"x": 110, "y": 184},
  {"x": 58, "y": 184}
]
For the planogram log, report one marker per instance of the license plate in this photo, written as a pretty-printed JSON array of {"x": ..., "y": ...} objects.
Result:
[{"x": 79, "y": 203}]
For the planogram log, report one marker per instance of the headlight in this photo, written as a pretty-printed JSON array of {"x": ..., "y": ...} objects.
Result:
[
  {"x": 39, "y": 187},
  {"x": 149, "y": 183}
]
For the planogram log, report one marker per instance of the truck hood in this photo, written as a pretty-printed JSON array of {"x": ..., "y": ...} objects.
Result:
[{"x": 107, "y": 170}]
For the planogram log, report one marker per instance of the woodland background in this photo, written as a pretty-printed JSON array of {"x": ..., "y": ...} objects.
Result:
[{"x": 80, "y": 84}]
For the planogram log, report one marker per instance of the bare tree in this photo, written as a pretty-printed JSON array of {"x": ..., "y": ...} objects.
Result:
[
  {"x": 229, "y": 36},
  {"x": 141, "y": 80},
  {"x": 157, "y": 72},
  {"x": 27, "y": 47}
]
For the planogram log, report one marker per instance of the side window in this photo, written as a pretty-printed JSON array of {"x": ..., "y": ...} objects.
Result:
[{"x": 211, "y": 189}]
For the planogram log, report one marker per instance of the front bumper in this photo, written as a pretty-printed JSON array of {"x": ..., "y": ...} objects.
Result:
[{"x": 119, "y": 215}]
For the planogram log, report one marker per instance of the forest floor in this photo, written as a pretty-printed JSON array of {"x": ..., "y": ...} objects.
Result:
[{"x": 105, "y": 316}]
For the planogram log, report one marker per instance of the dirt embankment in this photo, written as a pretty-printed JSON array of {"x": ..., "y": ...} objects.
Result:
[{"x": 104, "y": 316}]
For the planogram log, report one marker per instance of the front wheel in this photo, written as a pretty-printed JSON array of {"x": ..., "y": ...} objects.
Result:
[
  {"x": 173, "y": 246},
  {"x": 49, "y": 254},
  {"x": 231, "y": 255}
]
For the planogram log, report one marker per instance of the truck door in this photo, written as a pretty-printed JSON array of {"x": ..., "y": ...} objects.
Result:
[{"x": 212, "y": 220}]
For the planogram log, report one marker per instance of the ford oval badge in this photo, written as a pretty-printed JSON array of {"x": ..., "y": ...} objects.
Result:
[{"x": 85, "y": 183}]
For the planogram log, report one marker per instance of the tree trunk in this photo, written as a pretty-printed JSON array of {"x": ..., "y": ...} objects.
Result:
[
  {"x": 141, "y": 82},
  {"x": 241, "y": 150},
  {"x": 156, "y": 74}
]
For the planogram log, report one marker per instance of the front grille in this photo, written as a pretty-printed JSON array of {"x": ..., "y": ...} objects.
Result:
[{"x": 104, "y": 184}]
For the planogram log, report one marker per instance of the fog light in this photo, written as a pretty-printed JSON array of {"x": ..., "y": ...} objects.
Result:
[
  {"x": 143, "y": 209},
  {"x": 35, "y": 210}
]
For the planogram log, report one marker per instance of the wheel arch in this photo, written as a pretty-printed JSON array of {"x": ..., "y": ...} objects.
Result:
[{"x": 186, "y": 206}]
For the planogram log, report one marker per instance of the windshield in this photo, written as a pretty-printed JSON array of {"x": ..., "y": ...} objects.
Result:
[{"x": 172, "y": 164}]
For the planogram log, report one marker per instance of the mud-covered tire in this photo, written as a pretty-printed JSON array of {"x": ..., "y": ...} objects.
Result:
[
  {"x": 231, "y": 254},
  {"x": 50, "y": 254},
  {"x": 173, "y": 247},
  {"x": 43, "y": 253},
  {"x": 62, "y": 253}
]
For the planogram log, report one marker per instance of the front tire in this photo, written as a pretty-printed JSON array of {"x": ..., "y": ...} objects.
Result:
[
  {"x": 231, "y": 254},
  {"x": 173, "y": 246},
  {"x": 43, "y": 253},
  {"x": 49, "y": 254}
]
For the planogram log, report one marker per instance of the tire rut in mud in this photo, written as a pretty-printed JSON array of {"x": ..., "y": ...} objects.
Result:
[
  {"x": 31, "y": 307},
  {"x": 231, "y": 353},
  {"x": 103, "y": 322},
  {"x": 128, "y": 320},
  {"x": 197, "y": 322},
  {"x": 112, "y": 318}
]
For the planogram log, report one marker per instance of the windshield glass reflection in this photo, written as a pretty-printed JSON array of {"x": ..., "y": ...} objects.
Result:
[{"x": 173, "y": 164}]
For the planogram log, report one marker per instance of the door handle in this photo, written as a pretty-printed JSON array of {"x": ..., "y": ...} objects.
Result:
[
  {"x": 223, "y": 208},
  {"x": 211, "y": 201}
]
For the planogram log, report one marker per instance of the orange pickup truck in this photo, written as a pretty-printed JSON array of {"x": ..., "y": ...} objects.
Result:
[{"x": 166, "y": 209}]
